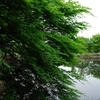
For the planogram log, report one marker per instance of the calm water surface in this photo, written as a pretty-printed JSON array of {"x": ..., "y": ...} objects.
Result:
[{"x": 91, "y": 88}]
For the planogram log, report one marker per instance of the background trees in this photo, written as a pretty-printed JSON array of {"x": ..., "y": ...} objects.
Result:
[
  {"x": 95, "y": 43},
  {"x": 36, "y": 37},
  {"x": 84, "y": 44},
  {"x": 89, "y": 45}
]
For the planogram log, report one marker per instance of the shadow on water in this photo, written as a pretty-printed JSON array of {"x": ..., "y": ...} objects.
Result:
[{"x": 90, "y": 69}]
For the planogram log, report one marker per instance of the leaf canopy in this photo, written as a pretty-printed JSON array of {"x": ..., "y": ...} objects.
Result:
[{"x": 36, "y": 37}]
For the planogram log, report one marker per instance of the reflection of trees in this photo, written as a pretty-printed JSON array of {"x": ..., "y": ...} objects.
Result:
[{"x": 89, "y": 68}]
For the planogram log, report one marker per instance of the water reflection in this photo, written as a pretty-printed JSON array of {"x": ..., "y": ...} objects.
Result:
[
  {"x": 91, "y": 71},
  {"x": 89, "y": 68}
]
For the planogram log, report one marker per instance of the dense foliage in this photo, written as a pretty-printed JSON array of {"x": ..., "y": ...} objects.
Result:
[
  {"x": 36, "y": 37},
  {"x": 84, "y": 44},
  {"x": 90, "y": 45},
  {"x": 95, "y": 43}
]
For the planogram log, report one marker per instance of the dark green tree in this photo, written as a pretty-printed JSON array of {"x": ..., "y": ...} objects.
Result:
[
  {"x": 84, "y": 44},
  {"x": 95, "y": 43},
  {"x": 36, "y": 37}
]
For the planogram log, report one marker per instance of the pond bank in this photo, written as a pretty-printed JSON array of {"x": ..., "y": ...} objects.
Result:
[{"x": 90, "y": 56}]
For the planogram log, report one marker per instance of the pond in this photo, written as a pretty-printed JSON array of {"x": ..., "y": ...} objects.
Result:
[{"x": 90, "y": 69}]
